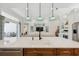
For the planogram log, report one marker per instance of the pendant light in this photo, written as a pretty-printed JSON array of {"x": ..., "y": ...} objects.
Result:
[
  {"x": 52, "y": 17},
  {"x": 28, "y": 18},
  {"x": 40, "y": 18}
]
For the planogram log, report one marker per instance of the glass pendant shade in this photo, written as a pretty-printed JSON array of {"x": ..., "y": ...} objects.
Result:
[
  {"x": 40, "y": 18},
  {"x": 52, "y": 18},
  {"x": 28, "y": 18}
]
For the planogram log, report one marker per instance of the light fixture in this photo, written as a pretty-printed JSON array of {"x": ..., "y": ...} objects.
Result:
[
  {"x": 52, "y": 18},
  {"x": 40, "y": 18},
  {"x": 28, "y": 18}
]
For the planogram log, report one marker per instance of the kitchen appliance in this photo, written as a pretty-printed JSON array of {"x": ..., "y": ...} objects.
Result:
[{"x": 75, "y": 31}]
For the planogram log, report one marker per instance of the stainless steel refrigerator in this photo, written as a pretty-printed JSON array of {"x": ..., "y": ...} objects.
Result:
[{"x": 75, "y": 31}]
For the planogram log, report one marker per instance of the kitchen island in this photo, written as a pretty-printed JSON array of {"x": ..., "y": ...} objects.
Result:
[
  {"x": 45, "y": 42},
  {"x": 48, "y": 46}
]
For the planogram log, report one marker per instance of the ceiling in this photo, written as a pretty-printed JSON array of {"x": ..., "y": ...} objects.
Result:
[
  {"x": 23, "y": 5},
  {"x": 18, "y": 10}
]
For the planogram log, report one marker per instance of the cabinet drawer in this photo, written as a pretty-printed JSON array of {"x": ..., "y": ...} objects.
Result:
[
  {"x": 11, "y": 52},
  {"x": 65, "y": 52},
  {"x": 39, "y": 52},
  {"x": 76, "y": 52}
]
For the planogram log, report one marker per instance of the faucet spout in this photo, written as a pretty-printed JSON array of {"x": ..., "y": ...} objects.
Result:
[{"x": 40, "y": 35}]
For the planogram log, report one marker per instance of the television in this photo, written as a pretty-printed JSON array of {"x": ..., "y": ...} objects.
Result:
[{"x": 39, "y": 29}]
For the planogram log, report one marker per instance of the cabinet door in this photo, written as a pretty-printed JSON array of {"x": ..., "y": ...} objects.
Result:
[
  {"x": 65, "y": 52},
  {"x": 39, "y": 52},
  {"x": 76, "y": 51}
]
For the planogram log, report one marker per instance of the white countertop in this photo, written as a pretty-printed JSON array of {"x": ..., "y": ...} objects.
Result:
[{"x": 45, "y": 42}]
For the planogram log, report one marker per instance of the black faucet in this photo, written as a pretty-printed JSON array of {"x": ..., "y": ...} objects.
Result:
[
  {"x": 39, "y": 29},
  {"x": 40, "y": 35}
]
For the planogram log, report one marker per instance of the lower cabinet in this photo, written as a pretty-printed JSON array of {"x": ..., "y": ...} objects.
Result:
[
  {"x": 51, "y": 52},
  {"x": 11, "y": 52},
  {"x": 64, "y": 52},
  {"x": 39, "y": 52},
  {"x": 76, "y": 52}
]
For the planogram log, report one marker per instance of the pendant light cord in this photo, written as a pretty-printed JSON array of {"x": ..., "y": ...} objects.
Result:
[
  {"x": 39, "y": 9},
  {"x": 27, "y": 9},
  {"x": 52, "y": 10}
]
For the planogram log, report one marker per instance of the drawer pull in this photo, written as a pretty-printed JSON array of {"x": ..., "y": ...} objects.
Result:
[{"x": 65, "y": 51}]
